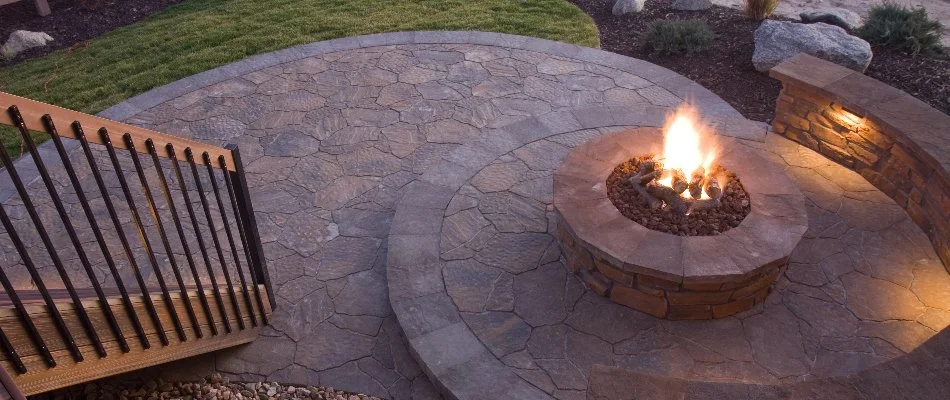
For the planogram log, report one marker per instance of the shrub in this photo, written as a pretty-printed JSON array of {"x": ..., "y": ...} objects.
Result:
[
  {"x": 760, "y": 9},
  {"x": 679, "y": 36},
  {"x": 898, "y": 27}
]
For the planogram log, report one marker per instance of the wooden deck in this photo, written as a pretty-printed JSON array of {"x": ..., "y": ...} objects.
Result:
[
  {"x": 40, "y": 378},
  {"x": 53, "y": 338}
]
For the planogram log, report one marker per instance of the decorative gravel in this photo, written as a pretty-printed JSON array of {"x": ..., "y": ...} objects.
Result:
[
  {"x": 734, "y": 205},
  {"x": 214, "y": 387}
]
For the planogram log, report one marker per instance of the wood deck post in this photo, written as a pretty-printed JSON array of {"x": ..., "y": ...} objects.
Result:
[{"x": 42, "y": 7}]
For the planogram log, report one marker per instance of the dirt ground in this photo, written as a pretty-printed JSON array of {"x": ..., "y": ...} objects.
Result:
[
  {"x": 727, "y": 70},
  {"x": 71, "y": 22},
  {"x": 937, "y": 9}
]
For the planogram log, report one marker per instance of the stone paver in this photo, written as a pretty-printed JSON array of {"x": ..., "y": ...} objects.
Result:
[
  {"x": 451, "y": 139},
  {"x": 851, "y": 299},
  {"x": 905, "y": 377},
  {"x": 333, "y": 133}
]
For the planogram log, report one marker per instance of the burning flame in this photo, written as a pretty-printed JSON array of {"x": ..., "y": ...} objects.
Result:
[{"x": 688, "y": 144}]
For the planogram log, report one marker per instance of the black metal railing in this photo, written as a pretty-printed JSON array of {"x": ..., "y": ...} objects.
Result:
[{"x": 93, "y": 165}]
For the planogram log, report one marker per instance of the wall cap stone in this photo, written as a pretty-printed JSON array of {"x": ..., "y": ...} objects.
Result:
[
  {"x": 897, "y": 142},
  {"x": 912, "y": 122}
]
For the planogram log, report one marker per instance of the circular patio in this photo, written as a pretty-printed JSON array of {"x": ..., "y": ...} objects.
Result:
[
  {"x": 862, "y": 288},
  {"x": 403, "y": 185}
]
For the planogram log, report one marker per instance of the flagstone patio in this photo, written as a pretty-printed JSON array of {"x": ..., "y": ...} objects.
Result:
[{"x": 402, "y": 184}]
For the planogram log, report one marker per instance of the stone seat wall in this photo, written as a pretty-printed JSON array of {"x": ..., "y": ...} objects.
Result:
[{"x": 898, "y": 143}]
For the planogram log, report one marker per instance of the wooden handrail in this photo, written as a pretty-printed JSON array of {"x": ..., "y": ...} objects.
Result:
[
  {"x": 83, "y": 330},
  {"x": 33, "y": 112}
]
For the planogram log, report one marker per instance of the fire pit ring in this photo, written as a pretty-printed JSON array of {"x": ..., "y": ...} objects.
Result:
[{"x": 667, "y": 276}]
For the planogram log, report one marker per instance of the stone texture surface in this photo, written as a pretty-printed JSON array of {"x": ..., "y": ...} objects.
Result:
[
  {"x": 703, "y": 277},
  {"x": 332, "y": 134},
  {"x": 357, "y": 306},
  {"x": 913, "y": 376},
  {"x": 20, "y": 40},
  {"x": 837, "y": 16},
  {"x": 777, "y": 41},
  {"x": 622, "y": 7},
  {"x": 894, "y": 142},
  {"x": 848, "y": 304}
]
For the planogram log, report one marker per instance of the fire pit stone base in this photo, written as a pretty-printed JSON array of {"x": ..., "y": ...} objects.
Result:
[
  {"x": 663, "y": 297},
  {"x": 667, "y": 276}
]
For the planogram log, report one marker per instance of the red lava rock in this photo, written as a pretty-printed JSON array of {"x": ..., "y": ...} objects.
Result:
[{"x": 734, "y": 206}]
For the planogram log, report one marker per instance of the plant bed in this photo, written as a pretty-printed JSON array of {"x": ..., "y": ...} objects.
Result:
[
  {"x": 726, "y": 68},
  {"x": 72, "y": 22}
]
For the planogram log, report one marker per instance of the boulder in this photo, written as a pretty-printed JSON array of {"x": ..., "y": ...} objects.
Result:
[
  {"x": 836, "y": 16},
  {"x": 691, "y": 5},
  {"x": 622, "y": 7},
  {"x": 23, "y": 40},
  {"x": 776, "y": 41}
]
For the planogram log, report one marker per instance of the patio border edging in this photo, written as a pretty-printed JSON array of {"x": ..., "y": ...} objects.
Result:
[
  {"x": 669, "y": 80},
  {"x": 675, "y": 83}
]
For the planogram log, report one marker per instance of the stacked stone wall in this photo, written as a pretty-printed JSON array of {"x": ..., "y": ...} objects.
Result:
[
  {"x": 896, "y": 142},
  {"x": 665, "y": 297}
]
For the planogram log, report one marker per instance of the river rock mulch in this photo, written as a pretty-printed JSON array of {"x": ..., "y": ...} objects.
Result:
[
  {"x": 214, "y": 387},
  {"x": 726, "y": 69}
]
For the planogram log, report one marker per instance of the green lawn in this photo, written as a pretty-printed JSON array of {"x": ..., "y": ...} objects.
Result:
[{"x": 198, "y": 35}]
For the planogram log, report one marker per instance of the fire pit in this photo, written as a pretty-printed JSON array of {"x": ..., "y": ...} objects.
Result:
[
  {"x": 676, "y": 222},
  {"x": 682, "y": 190}
]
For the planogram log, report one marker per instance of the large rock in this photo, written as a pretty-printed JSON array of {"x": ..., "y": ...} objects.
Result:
[
  {"x": 691, "y": 5},
  {"x": 776, "y": 41},
  {"x": 836, "y": 16},
  {"x": 622, "y": 7},
  {"x": 23, "y": 40}
]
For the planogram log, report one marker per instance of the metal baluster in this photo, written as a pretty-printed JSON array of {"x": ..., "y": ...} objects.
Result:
[
  {"x": 214, "y": 236},
  {"x": 25, "y": 318},
  {"x": 170, "y": 149},
  {"x": 185, "y": 298},
  {"x": 54, "y": 256},
  {"x": 68, "y": 166},
  {"x": 227, "y": 231},
  {"x": 113, "y": 269},
  {"x": 243, "y": 235},
  {"x": 11, "y": 353},
  {"x": 142, "y": 235},
  {"x": 150, "y": 145},
  {"x": 146, "y": 297},
  {"x": 71, "y": 232}
]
